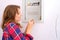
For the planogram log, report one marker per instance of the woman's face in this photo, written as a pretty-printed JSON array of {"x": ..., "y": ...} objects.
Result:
[{"x": 18, "y": 16}]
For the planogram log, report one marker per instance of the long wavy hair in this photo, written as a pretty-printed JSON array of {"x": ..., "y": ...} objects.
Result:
[{"x": 9, "y": 14}]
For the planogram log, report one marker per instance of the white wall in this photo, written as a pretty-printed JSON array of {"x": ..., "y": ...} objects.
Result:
[{"x": 46, "y": 30}]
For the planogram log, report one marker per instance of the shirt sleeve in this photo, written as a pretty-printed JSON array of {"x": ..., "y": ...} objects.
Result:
[
  {"x": 5, "y": 36},
  {"x": 16, "y": 33}
]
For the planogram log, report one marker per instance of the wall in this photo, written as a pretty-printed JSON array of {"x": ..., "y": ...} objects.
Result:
[{"x": 49, "y": 29}]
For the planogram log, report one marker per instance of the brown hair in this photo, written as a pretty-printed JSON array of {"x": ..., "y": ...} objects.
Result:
[{"x": 9, "y": 14}]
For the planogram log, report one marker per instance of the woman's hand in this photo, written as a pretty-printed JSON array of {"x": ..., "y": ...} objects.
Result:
[
  {"x": 31, "y": 22},
  {"x": 29, "y": 26}
]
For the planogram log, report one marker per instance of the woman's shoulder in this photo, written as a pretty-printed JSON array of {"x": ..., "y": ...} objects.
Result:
[{"x": 11, "y": 24}]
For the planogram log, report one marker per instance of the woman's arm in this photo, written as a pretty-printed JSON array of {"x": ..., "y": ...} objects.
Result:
[{"x": 29, "y": 26}]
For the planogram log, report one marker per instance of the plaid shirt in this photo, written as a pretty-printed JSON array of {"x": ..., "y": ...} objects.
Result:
[{"x": 13, "y": 32}]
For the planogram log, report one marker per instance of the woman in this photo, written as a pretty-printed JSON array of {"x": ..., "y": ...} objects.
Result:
[{"x": 11, "y": 26}]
